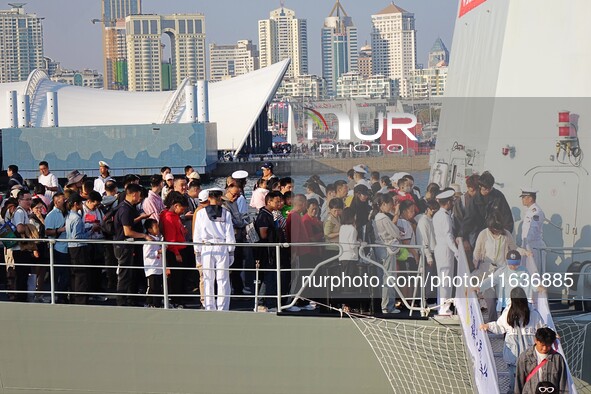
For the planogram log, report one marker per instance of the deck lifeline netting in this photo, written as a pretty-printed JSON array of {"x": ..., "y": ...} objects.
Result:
[
  {"x": 418, "y": 358},
  {"x": 573, "y": 334}
]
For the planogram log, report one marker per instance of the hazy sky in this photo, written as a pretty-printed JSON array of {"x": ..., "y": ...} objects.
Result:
[{"x": 73, "y": 40}]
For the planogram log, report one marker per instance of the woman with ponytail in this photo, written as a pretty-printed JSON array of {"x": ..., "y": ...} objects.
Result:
[{"x": 519, "y": 322}]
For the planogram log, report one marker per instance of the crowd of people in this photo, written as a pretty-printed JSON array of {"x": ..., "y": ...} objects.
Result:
[
  {"x": 210, "y": 230},
  {"x": 365, "y": 207}
]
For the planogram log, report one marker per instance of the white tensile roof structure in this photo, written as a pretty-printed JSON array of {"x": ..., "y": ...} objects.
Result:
[{"x": 234, "y": 104}]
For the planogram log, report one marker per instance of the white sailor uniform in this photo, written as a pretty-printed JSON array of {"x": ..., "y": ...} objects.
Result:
[
  {"x": 445, "y": 252},
  {"x": 215, "y": 259},
  {"x": 532, "y": 234}
]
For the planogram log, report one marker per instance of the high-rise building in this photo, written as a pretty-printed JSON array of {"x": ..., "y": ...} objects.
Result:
[
  {"x": 339, "y": 46},
  {"x": 114, "y": 13},
  {"x": 145, "y": 54},
  {"x": 115, "y": 50},
  {"x": 393, "y": 43},
  {"x": 21, "y": 44},
  {"x": 364, "y": 61},
  {"x": 50, "y": 66},
  {"x": 114, "y": 10},
  {"x": 438, "y": 54},
  {"x": 227, "y": 61},
  {"x": 283, "y": 36}
]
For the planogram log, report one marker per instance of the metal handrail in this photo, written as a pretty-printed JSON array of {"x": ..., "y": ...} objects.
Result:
[
  {"x": 422, "y": 308},
  {"x": 163, "y": 244}
]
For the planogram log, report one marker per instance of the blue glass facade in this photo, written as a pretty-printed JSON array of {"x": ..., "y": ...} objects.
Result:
[
  {"x": 119, "y": 9},
  {"x": 141, "y": 149}
]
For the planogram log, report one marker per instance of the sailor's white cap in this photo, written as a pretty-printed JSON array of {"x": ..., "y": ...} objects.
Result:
[
  {"x": 194, "y": 175},
  {"x": 396, "y": 177},
  {"x": 104, "y": 164},
  {"x": 240, "y": 174},
  {"x": 528, "y": 191},
  {"x": 203, "y": 195},
  {"x": 445, "y": 195},
  {"x": 360, "y": 168}
]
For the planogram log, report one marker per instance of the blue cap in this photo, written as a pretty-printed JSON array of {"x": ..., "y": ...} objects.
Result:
[{"x": 513, "y": 257}]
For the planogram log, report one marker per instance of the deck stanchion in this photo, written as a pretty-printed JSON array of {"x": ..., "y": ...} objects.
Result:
[
  {"x": 278, "y": 252},
  {"x": 52, "y": 271},
  {"x": 164, "y": 278},
  {"x": 256, "y": 285}
]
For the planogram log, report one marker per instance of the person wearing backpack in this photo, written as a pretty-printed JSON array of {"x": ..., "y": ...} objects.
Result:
[
  {"x": 7, "y": 213},
  {"x": 93, "y": 218},
  {"x": 55, "y": 227},
  {"x": 239, "y": 222},
  {"x": 78, "y": 250}
]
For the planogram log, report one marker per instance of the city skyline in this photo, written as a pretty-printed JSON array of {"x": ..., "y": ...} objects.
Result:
[{"x": 78, "y": 43}]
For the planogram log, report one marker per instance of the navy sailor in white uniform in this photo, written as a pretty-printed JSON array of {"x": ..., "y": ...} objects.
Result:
[
  {"x": 532, "y": 231},
  {"x": 213, "y": 224},
  {"x": 445, "y": 247}
]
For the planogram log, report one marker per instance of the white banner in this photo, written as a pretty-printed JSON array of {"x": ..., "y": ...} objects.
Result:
[
  {"x": 544, "y": 310},
  {"x": 468, "y": 310}
]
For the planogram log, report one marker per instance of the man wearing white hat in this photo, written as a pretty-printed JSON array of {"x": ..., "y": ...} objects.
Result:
[
  {"x": 359, "y": 176},
  {"x": 397, "y": 176},
  {"x": 213, "y": 224},
  {"x": 532, "y": 231},
  {"x": 168, "y": 185},
  {"x": 240, "y": 177},
  {"x": 99, "y": 183},
  {"x": 445, "y": 248}
]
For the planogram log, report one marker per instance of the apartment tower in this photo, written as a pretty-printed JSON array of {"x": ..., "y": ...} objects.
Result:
[
  {"x": 393, "y": 44},
  {"x": 284, "y": 36},
  {"x": 114, "y": 13},
  {"x": 21, "y": 44}
]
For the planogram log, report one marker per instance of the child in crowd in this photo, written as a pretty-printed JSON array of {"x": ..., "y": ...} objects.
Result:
[
  {"x": 153, "y": 264},
  {"x": 288, "y": 196},
  {"x": 508, "y": 277},
  {"x": 257, "y": 200}
]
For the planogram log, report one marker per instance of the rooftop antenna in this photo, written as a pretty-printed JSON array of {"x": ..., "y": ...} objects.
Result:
[{"x": 338, "y": 7}]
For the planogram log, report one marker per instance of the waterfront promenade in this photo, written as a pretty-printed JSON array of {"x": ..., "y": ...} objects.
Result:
[{"x": 307, "y": 166}]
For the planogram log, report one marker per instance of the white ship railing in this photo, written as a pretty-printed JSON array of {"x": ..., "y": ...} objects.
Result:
[
  {"x": 415, "y": 303},
  {"x": 166, "y": 294}
]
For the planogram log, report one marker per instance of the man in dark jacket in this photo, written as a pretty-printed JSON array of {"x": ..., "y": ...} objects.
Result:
[
  {"x": 486, "y": 202},
  {"x": 531, "y": 371},
  {"x": 14, "y": 178}
]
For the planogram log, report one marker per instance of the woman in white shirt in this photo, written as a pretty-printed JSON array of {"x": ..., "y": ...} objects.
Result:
[
  {"x": 406, "y": 224},
  {"x": 519, "y": 322},
  {"x": 386, "y": 233},
  {"x": 349, "y": 259},
  {"x": 492, "y": 246}
]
